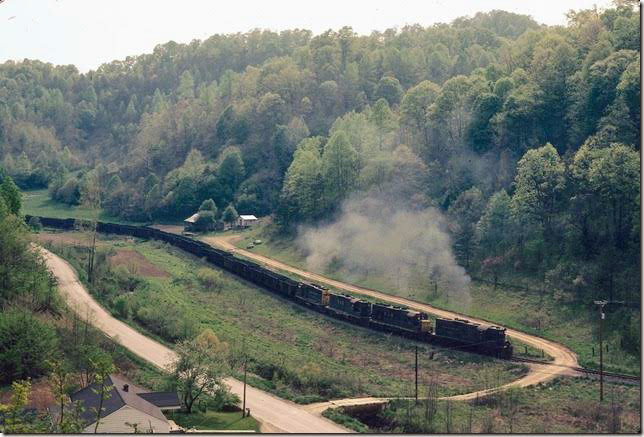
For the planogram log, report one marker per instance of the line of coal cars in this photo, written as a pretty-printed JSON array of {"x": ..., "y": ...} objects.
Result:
[{"x": 458, "y": 333}]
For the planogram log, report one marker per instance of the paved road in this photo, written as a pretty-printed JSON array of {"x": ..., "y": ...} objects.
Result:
[
  {"x": 275, "y": 414},
  {"x": 538, "y": 373}
]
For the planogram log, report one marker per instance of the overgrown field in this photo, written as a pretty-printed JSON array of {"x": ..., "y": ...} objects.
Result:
[
  {"x": 549, "y": 315},
  {"x": 296, "y": 353},
  {"x": 564, "y": 405}
]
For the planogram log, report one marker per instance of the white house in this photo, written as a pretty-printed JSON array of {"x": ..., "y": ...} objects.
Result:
[
  {"x": 245, "y": 221},
  {"x": 126, "y": 405}
]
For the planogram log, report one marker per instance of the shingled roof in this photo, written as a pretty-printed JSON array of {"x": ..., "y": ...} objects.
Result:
[{"x": 123, "y": 392}]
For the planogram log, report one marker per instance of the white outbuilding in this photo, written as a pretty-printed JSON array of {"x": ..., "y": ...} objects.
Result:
[{"x": 245, "y": 221}]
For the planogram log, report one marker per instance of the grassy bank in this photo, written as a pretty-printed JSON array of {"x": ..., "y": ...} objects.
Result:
[
  {"x": 537, "y": 312},
  {"x": 293, "y": 352},
  {"x": 564, "y": 405}
]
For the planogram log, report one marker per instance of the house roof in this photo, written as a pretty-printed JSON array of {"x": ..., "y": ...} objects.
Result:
[
  {"x": 162, "y": 399},
  {"x": 248, "y": 217},
  {"x": 193, "y": 218},
  {"x": 117, "y": 398}
]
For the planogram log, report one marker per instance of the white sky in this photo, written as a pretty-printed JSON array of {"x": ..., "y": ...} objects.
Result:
[{"x": 87, "y": 33}]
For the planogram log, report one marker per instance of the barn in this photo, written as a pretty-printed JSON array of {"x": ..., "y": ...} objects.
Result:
[{"x": 245, "y": 221}]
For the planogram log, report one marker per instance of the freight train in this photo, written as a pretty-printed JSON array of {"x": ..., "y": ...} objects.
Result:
[{"x": 456, "y": 333}]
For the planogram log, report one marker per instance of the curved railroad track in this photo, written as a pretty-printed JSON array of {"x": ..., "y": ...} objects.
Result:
[{"x": 564, "y": 360}]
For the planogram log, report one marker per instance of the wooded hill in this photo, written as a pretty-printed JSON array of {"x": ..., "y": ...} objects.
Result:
[{"x": 525, "y": 135}]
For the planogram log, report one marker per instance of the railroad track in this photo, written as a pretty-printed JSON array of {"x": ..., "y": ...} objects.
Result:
[{"x": 583, "y": 370}]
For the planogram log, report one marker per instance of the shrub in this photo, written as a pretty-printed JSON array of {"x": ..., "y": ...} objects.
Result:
[
  {"x": 211, "y": 280},
  {"x": 26, "y": 343},
  {"x": 34, "y": 223},
  {"x": 122, "y": 307}
]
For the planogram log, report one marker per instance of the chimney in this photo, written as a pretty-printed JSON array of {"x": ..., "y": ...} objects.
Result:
[{"x": 125, "y": 387}]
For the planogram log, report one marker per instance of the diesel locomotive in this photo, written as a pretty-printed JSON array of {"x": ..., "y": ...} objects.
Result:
[{"x": 456, "y": 333}]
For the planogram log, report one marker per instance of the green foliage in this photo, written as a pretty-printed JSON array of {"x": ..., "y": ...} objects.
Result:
[
  {"x": 539, "y": 183},
  {"x": 229, "y": 215},
  {"x": 208, "y": 205},
  {"x": 210, "y": 279},
  {"x": 200, "y": 367},
  {"x": 26, "y": 343},
  {"x": 336, "y": 415},
  {"x": 34, "y": 223},
  {"x": 15, "y": 419},
  {"x": 11, "y": 195},
  {"x": 339, "y": 169}
]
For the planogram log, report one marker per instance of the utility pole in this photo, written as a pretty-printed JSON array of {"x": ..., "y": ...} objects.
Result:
[
  {"x": 245, "y": 367},
  {"x": 416, "y": 373},
  {"x": 244, "y": 405},
  {"x": 601, "y": 351},
  {"x": 602, "y": 316}
]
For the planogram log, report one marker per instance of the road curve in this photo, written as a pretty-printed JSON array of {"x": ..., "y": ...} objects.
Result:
[
  {"x": 561, "y": 355},
  {"x": 275, "y": 414}
]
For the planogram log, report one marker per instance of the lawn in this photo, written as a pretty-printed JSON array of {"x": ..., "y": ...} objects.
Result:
[
  {"x": 37, "y": 202},
  {"x": 293, "y": 352},
  {"x": 216, "y": 421},
  {"x": 538, "y": 313}
]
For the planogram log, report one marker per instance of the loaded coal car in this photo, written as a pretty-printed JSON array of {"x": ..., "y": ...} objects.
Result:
[
  {"x": 287, "y": 286},
  {"x": 349, "y": 308},
  {"x": 400, "y": 320},
  {"x": 312, "y": 295},
  {"x": 485, "y": 339}
]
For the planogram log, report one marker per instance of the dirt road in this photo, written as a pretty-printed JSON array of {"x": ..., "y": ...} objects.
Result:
[
  {"x": 275, "y": 414},
  {"x": 538, "y": 373}
]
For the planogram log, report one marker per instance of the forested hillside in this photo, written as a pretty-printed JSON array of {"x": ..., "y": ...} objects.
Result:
[{"x": 525, "y": 136}]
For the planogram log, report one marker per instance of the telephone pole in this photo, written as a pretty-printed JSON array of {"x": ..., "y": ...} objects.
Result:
[
  {"x": 601, "y": 348},
  {"x": 244, "y": 405},
  {"x": 416, "y": 373},
  {"x": 602, "y": 316}
]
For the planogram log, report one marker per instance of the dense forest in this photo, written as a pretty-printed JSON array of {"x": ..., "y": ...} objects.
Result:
[{"x": 525, "y": 136}]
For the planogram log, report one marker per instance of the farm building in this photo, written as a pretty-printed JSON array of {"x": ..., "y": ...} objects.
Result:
[
  {"x": 125, "y": 405},
  {"x": 245, "y": 221},
  {"x": 190, "y": 222}
]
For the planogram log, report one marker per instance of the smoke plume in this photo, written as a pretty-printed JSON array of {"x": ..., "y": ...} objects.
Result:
[{"x": 375, "y": 236}]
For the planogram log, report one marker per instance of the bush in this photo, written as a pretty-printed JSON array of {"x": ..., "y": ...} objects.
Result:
[
  {"x": 34, "y": 223},
  {"x": 221, "y": 400},
  {"x": 167, "y": 321},
  {"x": 122, "y": 307},
  {"x": 211, "y": 280},
  {"x": 26, "y": 343}
]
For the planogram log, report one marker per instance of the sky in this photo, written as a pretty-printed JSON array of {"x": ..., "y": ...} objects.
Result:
[{"x": 87, "y": 33}]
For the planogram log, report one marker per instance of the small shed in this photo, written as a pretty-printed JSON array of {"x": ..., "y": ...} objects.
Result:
[
  {"x": 245, "y": 221},
  {"x": 189, "y": 223}
]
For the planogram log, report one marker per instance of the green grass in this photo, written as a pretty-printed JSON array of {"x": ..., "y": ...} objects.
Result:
[
  {"x": 296, "y": 353},
  {"x": 215, "y": 420},
  {"x": 37, "y": 202},
  {"x": 542, "y": 314}
]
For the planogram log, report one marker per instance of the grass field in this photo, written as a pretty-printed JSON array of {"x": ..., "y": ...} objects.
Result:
[
  {"x": 37, "y": 202},
  {"x": 535, "y": 312},
  {"x": 293, "y": 352}
]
